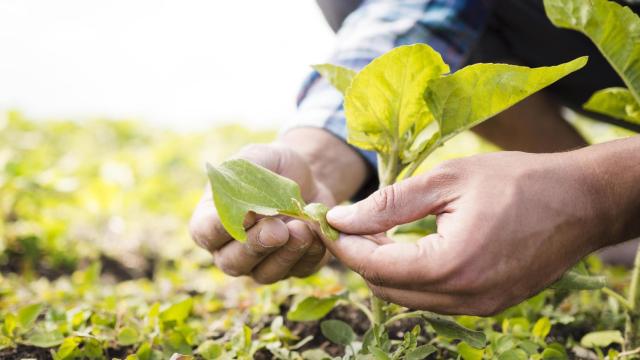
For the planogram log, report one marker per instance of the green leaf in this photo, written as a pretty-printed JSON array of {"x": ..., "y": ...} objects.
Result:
[
  {"x": 240, "y": 186},
  {"x": 614, "y": 29},
  {"x": 378, "y": 353},
  {"x": 552, "y": 353},
  {"x": 513, "y": 354},
  {"x": 315, "y": 354},
  {"x": 384, "y": 105},
  {"x": 312, "y": 308},
  {"x": 338, "y": 76},
  {"x": 420, "y": 352},
  {"x": 337, "y": 331},
  {"x": 177, "y": 312},
  {"x": 451, "y": 329},
  {"x": 541, "y": 328},
  {"x": 615, "y": 102},
  {"x": 318, "y": 213},
  {"x": 602, "y": 339},
  {"x": 28, "y": 315},
  {"x": 468, "y": 352},
  {"x": 128, "y": 336},
  {"x": 67, "y": 348},
  {"x": 478, "y": 92},
  {"x": 574, "y": 280},
  {"x": 45, "y": 339},
  {"x": 5, "y": 342},
  {"x": 9, "y": 325},
  {"x": 210, "y": 350}
]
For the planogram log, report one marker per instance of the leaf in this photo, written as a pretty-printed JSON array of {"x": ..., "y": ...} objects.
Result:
[
  {"x": 10, "y": 323},
  {"x": 66, "y": 349},
  {"x": 378, "y": 353},
  {"x": 420, "y": 352},
  {"x": 338, "y": 76},
  {"x": 551, "y": 353},
  {"x": 384, "y": 105},
  {"x": 451, "y": 329},
  {"x": 128, "y": 336},
  {"x": 615, "y": 102},
  {"x": 614, "y": 29},
  {"x": 337, "y": 331},
  {"x": 513, "y": 354},
  {"x": 45, "y": 339},
  {"x": 318, "y": 213},
  {"x": 5, "y": 342},
  {"x": 541, "y": 328},
  {"x": 240, "y": 186},
  {"x": 468, "y": 352},
  {"x": 315, "y": 354},
  {"x": 478, "y": 92},
  {"x": 210, "y": 350},
  {"x": 601, "y": 339},
  {"x": 177, "y": 312},
  {"x": 28, "y": 315},
  {"x": 312, "y": 308},
  {"x": 574, "y": 280}
]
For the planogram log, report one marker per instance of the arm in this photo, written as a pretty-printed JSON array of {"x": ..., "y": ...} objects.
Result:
[{"x": 509, "y": 225}]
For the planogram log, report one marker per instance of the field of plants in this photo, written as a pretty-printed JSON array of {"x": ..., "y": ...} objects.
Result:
[{"x": 96, "y": 260}]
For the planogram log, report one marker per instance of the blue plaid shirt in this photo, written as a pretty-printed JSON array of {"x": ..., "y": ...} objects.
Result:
[{"x": 451, "y": 27}]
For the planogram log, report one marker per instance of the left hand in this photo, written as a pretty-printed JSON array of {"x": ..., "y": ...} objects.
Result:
[{"x": 509, "y": 225}]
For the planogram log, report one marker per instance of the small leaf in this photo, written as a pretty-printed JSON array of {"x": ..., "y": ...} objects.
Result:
[
  {"x": 337, "y": 331},
  {"x": 615, "y": 102},
  {"x": 128, "y": 336},
  {"x": 318, "y": 212},
  {"x": 551, "y": 353},
  {"x": 210, "y": 350},
  {"x": 615, "y": 29},
  {"x": 451, "y": 329},
  {"x": 378, "y": 353},
  {"x": 468, "y": 352},
  {"x": 240, "y": 186},
  {"x": 513, "y": 354},
  {"x": 315, "y": 354},
  {"x": 541, "y": 328},
  {"x": 601, "y": 339},
  {"x": 45, "y": 339},
  {"x": 574, "y": 280},
  {"x": 312, "y": 308},
  {"x": 10, "y": 323},
  {"x": 66, "y": 349},
  {"x": 177, "y": 312},
  {"x": 338, "y": 76},
  {"x": 420, "y": 352},
  {"x": 177, "y": 356},
  {"x": 28, "y": 315}
]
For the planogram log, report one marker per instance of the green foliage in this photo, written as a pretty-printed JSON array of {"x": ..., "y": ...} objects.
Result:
[
  {"x": 339, "y": 77},
  {"x": 451, "y": 329},
  {"x": 240, "y": 186},
  {"x": 312, "y": 308},
  {"x": 338, "y": 332},
  {"x": 601, "y": 338},
  {"x": 616, "y": 102}
]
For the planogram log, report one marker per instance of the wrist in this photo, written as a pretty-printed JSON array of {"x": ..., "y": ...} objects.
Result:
[
  {"x": 610, "y": 172},
  {"x": 333, "y": 163}
]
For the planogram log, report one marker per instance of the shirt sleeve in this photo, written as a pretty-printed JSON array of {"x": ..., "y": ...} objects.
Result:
[{"x": 377, "y": 26}]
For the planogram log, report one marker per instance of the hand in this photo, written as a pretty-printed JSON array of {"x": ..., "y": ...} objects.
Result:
[
  {"x": 509, "y": 225},
  {"x": 276, "y": 247}
]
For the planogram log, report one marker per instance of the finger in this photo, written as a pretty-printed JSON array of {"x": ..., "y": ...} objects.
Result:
[
  {"x": 417, "y": 265},
  {"x": 445, "y": 304},
  {"x": 265, "y": 237},
  {"x": 277, "y": 265},
  {"x": 207, "y": 230},
  {"x": 400, "y": 203},
  {"x": 315, "y": 257}
]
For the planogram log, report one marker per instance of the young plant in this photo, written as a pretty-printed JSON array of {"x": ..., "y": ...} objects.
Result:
[
  {"x": 403, "y": 106},
  {"x": 615, "y": 30}
]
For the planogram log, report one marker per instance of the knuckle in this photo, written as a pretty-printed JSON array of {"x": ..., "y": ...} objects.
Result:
[
  {"x": 385, "y": 198},
  {"x": 228, "y": 268}
]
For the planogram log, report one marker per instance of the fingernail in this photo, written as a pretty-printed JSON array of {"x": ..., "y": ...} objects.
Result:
[{"x": 340, "y": 213}]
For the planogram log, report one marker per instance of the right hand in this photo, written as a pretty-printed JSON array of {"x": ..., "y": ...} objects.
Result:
[{"x": 276, "y": 247}]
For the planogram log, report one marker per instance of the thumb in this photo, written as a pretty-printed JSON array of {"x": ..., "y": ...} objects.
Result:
[{"x": 396, "y": 204}]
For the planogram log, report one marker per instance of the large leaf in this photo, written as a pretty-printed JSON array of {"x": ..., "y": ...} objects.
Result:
[
  {"x": 615, "y": 102},
  {"x": 384, "y": 103},
  {"x": 614, "y": 29},
  {"x": 28, "y": 315},
  {"x": 338, "y": 76},
  {"x": 240, "y": 186},
  {"x": 480, "y": 91},
  {"x": 447, "y": 327}
]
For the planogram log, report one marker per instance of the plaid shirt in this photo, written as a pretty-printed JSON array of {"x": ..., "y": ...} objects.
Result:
[{"x": 451, "y": 27}]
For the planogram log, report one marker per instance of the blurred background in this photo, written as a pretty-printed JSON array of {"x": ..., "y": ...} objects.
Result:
[{"x": 182, "y": 64}]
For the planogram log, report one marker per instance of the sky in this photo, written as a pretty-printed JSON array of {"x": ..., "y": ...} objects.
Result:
[{"x": 185, "y": 64}]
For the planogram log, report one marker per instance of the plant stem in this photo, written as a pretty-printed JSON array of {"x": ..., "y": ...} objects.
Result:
[
  {"x": 621, "y": 299},
  {"x": 632, "y": 323},
  {"x": 405, "y": 315}
]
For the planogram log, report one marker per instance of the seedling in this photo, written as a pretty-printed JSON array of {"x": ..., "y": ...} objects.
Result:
[
  {"x": 403, "y": 105},
  {"x": 615, "y": 30}
]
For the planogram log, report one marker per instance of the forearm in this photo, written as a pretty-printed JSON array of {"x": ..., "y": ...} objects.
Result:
[
  {"x": 613, "y": 172},
  {"x": 334, "y": 163}
]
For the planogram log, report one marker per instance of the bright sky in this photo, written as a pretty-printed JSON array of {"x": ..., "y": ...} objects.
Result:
[{"x": 184, "y": 63}]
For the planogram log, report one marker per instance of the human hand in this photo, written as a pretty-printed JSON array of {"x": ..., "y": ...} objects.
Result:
[
  {"x": 276, "y": 247},
  {"x": 509, "y": 225}
]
